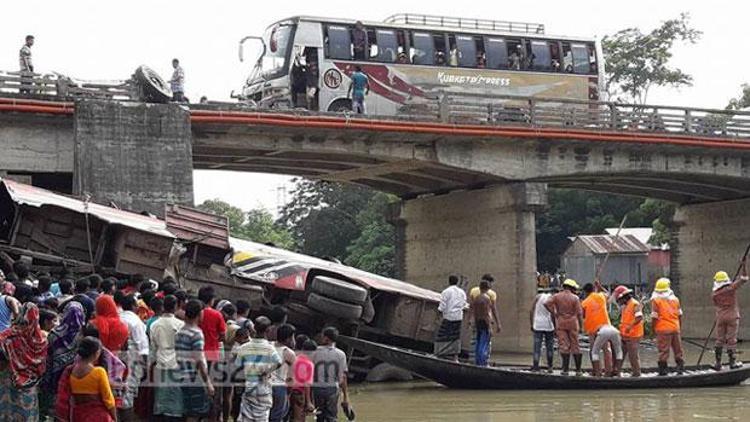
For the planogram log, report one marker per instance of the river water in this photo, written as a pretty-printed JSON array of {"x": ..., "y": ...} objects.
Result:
[{"x": 427, "y": 401}]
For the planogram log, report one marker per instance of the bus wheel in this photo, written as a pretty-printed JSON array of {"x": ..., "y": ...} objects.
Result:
[
  {"x": 153, "y": 88},
  {"x": 340, "y": 106}
]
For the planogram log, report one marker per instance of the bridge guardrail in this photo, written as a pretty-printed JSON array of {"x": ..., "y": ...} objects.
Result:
[
  {"x": 62, "y": 86},
  {"x": 573, "y": 114}
]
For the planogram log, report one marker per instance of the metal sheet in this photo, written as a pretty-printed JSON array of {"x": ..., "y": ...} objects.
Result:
[
  {"x": 604, "y": 243},
  {"x": 37, "y": 197},
  {"x": 198, "y": 226}
]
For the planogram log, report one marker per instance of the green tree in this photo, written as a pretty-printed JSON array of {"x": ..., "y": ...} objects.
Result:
[
  {"x": 322, "y": 216},
  {"x": 637, "y": 61},
  {"x": 374, "y": 249},
  {"x": 256, "y": 225},
  {"x": 234, "y": 214},
  {"x": 742, "y": 101}
]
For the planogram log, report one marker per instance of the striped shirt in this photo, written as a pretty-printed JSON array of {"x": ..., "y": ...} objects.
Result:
[
  {"x": 24, "y": 59},
  {"x": 177, "y": 83},
  {"x": 259, "y": 358},
  {"x": 189, "y": 347}
]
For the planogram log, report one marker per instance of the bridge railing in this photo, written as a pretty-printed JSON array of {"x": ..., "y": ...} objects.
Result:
[
  {"x": 58, "y": 85},
  {"x": 573, "y": 114}
]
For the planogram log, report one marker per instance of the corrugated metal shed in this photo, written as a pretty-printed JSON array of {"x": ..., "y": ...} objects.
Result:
[
  {"x": 198, "y": 226},
  {"x": 602, "y": 244}
]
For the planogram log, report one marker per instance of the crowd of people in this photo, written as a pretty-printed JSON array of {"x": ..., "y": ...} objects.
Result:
[
  {"x": 563, "y": 313},
  {"x": 126, "y": 349}
]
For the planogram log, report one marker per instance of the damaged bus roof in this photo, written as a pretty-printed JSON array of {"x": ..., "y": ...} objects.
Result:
[{"x": 37, "y": 197}]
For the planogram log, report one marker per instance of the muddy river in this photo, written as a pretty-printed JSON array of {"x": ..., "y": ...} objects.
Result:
[{"x": 426, "y": 401}]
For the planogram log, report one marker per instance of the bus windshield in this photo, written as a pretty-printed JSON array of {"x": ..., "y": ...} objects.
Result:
[{"x": 278, "y": 39}]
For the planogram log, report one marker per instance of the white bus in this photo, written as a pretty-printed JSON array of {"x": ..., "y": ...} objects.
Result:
[{"x": 412, "y": 57}]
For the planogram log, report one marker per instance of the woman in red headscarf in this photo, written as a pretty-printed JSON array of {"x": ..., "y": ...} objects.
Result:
[
  {"x": 113, "y": 333},
  {"x": 23, "y": 358}
]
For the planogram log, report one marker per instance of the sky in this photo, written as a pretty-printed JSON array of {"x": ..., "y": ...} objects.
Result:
[{"x": 108, "y": 40}]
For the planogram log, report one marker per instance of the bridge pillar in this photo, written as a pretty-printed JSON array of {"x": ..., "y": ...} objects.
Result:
[
  {"x": 707, "y": 238},
  {"x": 136, "y": 155},
  {"x": 470, "y": 233}
]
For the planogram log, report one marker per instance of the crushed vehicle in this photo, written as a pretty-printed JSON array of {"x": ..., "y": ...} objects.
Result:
[{"x": 194, "y": 247}]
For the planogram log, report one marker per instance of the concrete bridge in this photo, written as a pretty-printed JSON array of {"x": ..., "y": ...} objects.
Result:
[{"x": 471, "y": 180}]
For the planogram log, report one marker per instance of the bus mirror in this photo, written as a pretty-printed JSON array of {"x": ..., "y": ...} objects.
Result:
[{"x": 251, "y": 37}]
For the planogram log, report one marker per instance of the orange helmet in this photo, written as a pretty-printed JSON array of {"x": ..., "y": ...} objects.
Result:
[{"x": 621, "y": 291}]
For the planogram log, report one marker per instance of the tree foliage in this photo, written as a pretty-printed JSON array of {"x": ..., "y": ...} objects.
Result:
[
  {"x": 374, "y": 249},
  {"x": 743, "y": 101},
  {"x": 256, "y": 225},
  {"x": 637, "y": 61},
  {"x": 322, "y": 216}
]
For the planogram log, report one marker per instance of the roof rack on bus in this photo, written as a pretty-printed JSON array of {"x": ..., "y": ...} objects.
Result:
[{"x": 466, "y": 23}]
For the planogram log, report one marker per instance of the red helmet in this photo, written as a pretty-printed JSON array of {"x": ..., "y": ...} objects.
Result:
[{"x": 621, "y": 291}]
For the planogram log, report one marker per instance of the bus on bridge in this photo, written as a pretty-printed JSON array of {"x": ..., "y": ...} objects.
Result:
[{"x": 307, "y": 62}]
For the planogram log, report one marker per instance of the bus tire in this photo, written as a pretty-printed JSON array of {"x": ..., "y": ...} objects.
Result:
[
  {"x": 339, "y": 290},
  {"x": 334, "y": 307},
  {"x": 340, "y": 106},
  {"x": 153, "y": 88}
]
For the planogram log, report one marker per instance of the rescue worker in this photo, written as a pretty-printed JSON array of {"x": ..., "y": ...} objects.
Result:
[
  {"x": 631, "y": 327},
  {"x": 666, "y": 315},
  {"x": 606, "y": 336},
  {"x": 727, "y": 315},
  {"x": 595, "y": 316},
  {"x": 565, "y": 308}
]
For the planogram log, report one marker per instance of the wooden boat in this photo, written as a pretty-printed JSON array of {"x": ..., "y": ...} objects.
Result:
[{"x": 467, "y": 376}]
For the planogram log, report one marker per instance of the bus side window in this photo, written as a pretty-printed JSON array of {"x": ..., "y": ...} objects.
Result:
[
  {"x": 339, "y": 43},
  {"x": 567, "y": 59},
  {"x": 581, "y": 59},
  {"x": 496, "y": 53},
  {"x": 423, "y": 48},
  {"x": 540, "y": 56},
  {"x": 518, "y": 55},
  {"x": 439, "y": 40},
  {"x": 592, "y": 59},
  {"x": 387, "y": 45},
  {"x": 467, "y": 51}
]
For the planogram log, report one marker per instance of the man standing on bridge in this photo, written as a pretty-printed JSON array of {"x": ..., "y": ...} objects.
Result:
[
  {"x": 25, "y": 64},
  {"x": 177, "y": 83},
  {"x": 358, "y": 88},
  {"x": 727, "y": 314}
]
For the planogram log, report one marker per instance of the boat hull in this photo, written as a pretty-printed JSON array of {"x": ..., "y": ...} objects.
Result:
[{"x": 465, "y": 376}]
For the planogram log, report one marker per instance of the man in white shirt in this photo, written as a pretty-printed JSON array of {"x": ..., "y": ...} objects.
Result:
[
  {"x": 177, "y": 83},
  {"x": 543, "y": 329},
  {"x": 168, "y": 395},
  {"x": 452, "y": 305},
  {"x": 137, "y": 354}
]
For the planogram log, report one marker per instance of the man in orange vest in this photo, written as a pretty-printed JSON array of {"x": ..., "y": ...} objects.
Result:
[
  {"x": 666, "y": 315},
  {"x": 727, "y": 315},
  {"x": 595, "y": 316},
  {"x": 565, "y": 308},
  {"x": 631, "y": 327}
]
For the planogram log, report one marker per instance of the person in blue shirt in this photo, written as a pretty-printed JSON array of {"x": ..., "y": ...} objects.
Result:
[{"x": 358, "y": 88}]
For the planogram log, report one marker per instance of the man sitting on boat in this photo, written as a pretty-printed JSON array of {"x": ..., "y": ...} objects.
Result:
[
  {"x": 565, "y": 308},
  {"x": 631, "y": 327},
  {"x": 452, "y": 304},
  {"x": 727, "y": 314},
  {"x": 666, "y": 314}
]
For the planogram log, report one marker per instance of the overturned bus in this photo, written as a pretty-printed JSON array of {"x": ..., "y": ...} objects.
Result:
[{"x": 57, "y": 232}]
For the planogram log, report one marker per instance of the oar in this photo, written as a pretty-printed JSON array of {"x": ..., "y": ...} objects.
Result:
[
  {"x": 713, "y": 327},
  {"x": 606, "y": 257}
]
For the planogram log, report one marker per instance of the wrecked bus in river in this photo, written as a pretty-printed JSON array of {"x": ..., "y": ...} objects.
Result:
[{"x": 55, "y": 231}]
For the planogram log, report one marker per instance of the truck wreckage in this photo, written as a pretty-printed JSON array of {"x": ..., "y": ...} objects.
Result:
[{"x": 55, "y": 232}]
